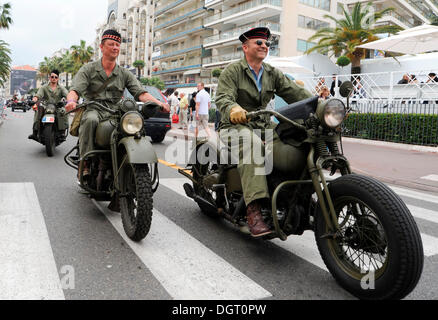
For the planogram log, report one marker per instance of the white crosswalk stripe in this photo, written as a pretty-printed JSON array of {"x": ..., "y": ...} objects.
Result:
[
  {"x": 168, "y": 253},
  {"x": 27, "y": 265}
]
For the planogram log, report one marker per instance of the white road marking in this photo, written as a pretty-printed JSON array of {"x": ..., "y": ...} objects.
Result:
[
  {"x": 432, "y": 177},
  {"x": 415, "y": 194},
  {"x": 430, "y": 245},
  {"x": 184, "y": 266},
  {"x": 424, "y": 214},
  {"x": 27, "y": 265}
]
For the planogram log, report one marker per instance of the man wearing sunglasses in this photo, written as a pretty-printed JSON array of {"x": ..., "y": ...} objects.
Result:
[
  {"x": 51, "y": 93},
  {"x": 245, "y": 86}
]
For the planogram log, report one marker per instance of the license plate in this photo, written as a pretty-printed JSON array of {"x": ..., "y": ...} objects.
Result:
[{"x": 49, "y": 119}]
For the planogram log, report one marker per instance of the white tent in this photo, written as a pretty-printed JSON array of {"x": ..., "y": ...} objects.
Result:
[
  {"x": 286, "y": 65},
  {"x": 412, "y": 41}
]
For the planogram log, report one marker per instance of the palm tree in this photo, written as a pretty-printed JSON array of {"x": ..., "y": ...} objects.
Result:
[
  {"x": 5, "y": 62},
  {"x": 68, "y": 66},
  {"x": 154, "y": 81},
  {"x": 350, "y": 32},
  {"x": 139, "y": 64},
  {"x": 81, "y": 54},
  {"x": 45, "y": 67},
  {"x": 5, "y": 16}
]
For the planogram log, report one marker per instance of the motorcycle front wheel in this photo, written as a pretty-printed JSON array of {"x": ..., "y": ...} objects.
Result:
[
  {"x": 378, "y": 253},
  {"x": 49, "y": 140},
  {"x": 136, "y": 200}
]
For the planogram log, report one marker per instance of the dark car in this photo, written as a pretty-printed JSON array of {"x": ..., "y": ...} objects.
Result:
[
  {"x": 158, "y": 125},
  {"x": 19, "y": 105}
]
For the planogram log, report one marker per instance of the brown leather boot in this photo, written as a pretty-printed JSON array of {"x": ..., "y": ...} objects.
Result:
[{"x": 256, "y": 224}]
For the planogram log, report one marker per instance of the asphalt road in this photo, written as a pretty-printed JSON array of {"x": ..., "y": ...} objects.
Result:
[{"x": 186, "y": 256}]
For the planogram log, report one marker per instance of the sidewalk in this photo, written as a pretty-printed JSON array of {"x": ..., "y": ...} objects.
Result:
[{"x": 396, "y": 165}]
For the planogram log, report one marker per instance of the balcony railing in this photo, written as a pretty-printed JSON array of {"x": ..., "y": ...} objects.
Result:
[
  {"x": 167, "y": 5},
  {"x": 422, "y": 8},
  {"x": 240, "y": 8},
  {"x": 400, "y": 18},
  {"x": 177, "y": 66},
  {"x": 165, "y": 37},
  {"x": 192, "y": 47},
  {"x": 235, "y": 33},
  {"x": 188, "y": 12}
]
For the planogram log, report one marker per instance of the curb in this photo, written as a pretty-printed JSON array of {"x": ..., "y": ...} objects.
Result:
[
  {"x": 400, "y": 146},
  {"x": 398, "y": 182}
]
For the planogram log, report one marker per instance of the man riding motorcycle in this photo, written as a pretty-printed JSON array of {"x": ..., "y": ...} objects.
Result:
[
  {"x": 103, "y": 81},
  {"x": 245, "y": 86},
  {"x": 51, "y": 93}
]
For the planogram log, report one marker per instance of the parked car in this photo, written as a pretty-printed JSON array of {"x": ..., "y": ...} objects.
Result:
[
  {"x": 157, "y": 126},
  {"x": 20, "y": 105}
]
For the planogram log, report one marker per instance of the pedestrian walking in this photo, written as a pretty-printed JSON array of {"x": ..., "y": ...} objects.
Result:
[
  {"x": 203, "y": 105},
  {"x": 183, "y": 107}
]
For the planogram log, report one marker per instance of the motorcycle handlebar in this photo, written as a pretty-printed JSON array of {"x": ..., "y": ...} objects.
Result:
[
  {"x": 252, "y": 115},
  {"x": 92, "y": 104}
]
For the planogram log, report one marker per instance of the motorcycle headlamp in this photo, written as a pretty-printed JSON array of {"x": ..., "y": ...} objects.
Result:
[
  {"x": 332, "y": 113},
  {"x": 132, "y": 122}
]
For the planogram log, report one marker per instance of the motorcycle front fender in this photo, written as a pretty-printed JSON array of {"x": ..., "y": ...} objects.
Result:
[{"x": 139, "y": 151}]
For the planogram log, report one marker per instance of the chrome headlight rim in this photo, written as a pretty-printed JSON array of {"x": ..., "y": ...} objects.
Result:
[
  {"x": 131, "y": 123},
  {"x": 334, "y": 113}
]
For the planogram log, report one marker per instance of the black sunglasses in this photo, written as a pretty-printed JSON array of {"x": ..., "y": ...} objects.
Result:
[{"x": 260, "y": 42}]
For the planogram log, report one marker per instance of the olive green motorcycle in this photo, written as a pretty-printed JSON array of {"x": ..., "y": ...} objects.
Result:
[
  {"x": 363, "y": 230},
  {"x": 123, "y": 166}
]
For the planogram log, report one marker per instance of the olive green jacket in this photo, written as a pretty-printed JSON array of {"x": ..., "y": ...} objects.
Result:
[
  {"x": 92, "y": 76},
  {"x": 237, "y": 87},
  {"x": 46, "y": 94}
]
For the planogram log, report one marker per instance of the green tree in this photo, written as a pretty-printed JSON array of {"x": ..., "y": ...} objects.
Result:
[
  {"x": 139, "y": 64},
  {"x": 354, "y": 29},
  {"x": 81, "y": 54},
  {"x": 5, "y": 62},
  {"x": 5, "y": 16},
  {"x": 68, "y": 66},
  {"x": 45, "y": 68},
  {"x": 154, "y": 81},
  {"x": 216, "y": 73}
]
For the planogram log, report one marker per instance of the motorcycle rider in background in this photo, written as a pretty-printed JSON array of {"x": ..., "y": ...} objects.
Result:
[{"x": 51, "y": 93}]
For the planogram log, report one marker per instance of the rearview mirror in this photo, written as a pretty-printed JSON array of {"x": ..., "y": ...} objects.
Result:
[{"x": 346, "y": 88}]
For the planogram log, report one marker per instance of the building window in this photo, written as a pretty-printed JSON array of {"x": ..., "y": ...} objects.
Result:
[
  {"x": 303, "y": 45},
  {"x": 310, "y": 23},
  {"x": 320, "y": 4}
]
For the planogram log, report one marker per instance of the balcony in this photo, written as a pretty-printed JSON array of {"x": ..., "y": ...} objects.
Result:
[
  {"x": 424, "y": 11},
  {"x": 177, "y": 67},
  {"x": 233, "y": 35},
  {"x": 178, "y": 34},
  {"x": 178, "y": 52},
  {"x": 188, "y": 13},
  {"x": 216, "y": 3},
  {"x": 168, "y": 5},
  {"x": 246, "y": 12},
  {"x": 397, "y": 19}
]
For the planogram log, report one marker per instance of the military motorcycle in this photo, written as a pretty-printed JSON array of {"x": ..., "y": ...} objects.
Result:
[
  {"x": 52, "y": 131},
  {"x": 362, "y": 228},
  {"x": 124, "y": 165}
]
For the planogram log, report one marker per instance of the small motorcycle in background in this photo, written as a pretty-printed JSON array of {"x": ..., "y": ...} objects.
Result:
[{"x": 52, "y": 132}]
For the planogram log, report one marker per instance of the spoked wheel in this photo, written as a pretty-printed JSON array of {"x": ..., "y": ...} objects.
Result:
[
  {"x": 377, "y": 253},
  {"x": 136, "y": 202},
  {"x": 199, "y": 173},
  {"x": 49, "y": 140}
]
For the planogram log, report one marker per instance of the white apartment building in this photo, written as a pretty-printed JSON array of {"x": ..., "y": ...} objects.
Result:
[
  {"x": 178, "y": 42},
  {"x": 134, "y": 20}
]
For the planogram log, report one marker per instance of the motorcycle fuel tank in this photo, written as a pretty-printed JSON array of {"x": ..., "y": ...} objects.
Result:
[{"x": 103, "y": 133}]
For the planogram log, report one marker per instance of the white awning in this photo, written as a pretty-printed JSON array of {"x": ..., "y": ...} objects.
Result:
[{"x": 194, "y": 71}]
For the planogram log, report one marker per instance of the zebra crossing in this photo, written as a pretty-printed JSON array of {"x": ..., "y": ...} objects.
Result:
[{"x": 28, "y": 267}]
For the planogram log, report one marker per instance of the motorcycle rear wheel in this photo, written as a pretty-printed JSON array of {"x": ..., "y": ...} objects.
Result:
[
  {"x": 49, "y": 140},
  {"x": 136, "y": 201},
  {"x": 378, "y": 253}
]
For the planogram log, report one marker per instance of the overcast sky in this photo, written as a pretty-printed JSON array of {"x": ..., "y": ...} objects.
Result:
[{"x": 42, "y": 27}]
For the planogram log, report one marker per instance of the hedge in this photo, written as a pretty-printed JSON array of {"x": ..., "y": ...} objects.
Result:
[{"x": 421, "y": 129}]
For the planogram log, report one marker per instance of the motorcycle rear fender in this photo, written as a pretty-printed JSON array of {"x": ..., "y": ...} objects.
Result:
[{"x": 139, "y": 151}]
